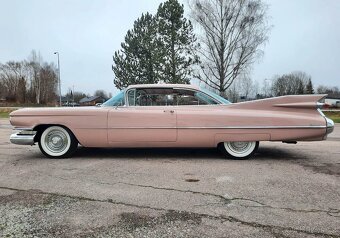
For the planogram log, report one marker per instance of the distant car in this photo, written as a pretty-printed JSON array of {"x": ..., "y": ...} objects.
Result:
[{"x": 165, "y": 115}]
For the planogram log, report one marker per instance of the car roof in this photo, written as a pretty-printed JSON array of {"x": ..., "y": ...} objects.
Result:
[{"x": 188, "y": 86}]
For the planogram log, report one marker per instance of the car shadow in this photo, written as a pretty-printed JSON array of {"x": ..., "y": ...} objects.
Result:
[
  {"x": 264, "y": 153},
  {"x": 270, "y": 153},
  {"x": 147, "y": 153}
]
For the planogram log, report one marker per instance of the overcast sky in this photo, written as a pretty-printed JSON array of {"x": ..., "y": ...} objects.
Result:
[{"x": 305, "y": 36}]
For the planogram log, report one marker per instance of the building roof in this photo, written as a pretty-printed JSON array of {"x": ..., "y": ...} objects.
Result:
[
  {"x": 333, "y": 96},
  {"x": 90, "y": 99}
]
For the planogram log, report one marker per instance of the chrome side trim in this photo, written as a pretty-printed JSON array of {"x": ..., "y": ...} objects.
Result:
[
  {"x": 22, "y": 139},
  {"x": 227, "y": 127},
  {"x": 256, "y": 127},
  {"x": 321, "y": 113},
  {"x": 23, "y": 128}
]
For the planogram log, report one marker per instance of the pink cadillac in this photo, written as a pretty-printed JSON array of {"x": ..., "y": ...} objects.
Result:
[{"x": 164, "y": 115}]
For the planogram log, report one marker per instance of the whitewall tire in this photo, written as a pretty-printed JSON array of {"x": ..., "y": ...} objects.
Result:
[
  {"x": 239, "y": 149},
  {"x": 57, "y": 142}
]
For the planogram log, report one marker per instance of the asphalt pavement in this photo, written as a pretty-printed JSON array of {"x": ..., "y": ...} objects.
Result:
[{"x": 284, "y": 191}]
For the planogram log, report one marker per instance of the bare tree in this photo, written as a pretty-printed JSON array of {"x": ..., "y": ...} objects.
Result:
[
  {"x": 76, "y": 95},
  {"x": 246, "y": 86},
  {"x": 28, "y": 81},
  {"x": 292, "y": 84},
  {"x": 232, "y": 94},
  {"x": 233, "y": 32},
  {"x": 35, "y": 61},
  {"x": 328, "y": 90},
  {"x": 11, "y": 74},
  {"x": 2, "y": 90},
  {"x": 267, "y": 86},
  {"x": 101, "y": 93},
  {"x": 48, "y": 82}
]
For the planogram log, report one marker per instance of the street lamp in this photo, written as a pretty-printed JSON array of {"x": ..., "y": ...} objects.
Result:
[{"x": 57, "y": 53}]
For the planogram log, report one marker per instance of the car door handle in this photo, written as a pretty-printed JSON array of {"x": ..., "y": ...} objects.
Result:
[{"x": 171, "y": 111}]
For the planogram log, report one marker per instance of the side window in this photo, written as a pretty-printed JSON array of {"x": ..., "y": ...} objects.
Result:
[
  {"x": 151, "y": 97},
  {"x": 191, "y": 97},
  {"x": 167, "y": 97},
  {"x": 204, "y": 99},
  {"x": 132, "y": 97},
  {"x": 186, "y": 97}
]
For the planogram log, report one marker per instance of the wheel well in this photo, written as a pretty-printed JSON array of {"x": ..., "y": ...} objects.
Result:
[{"x": 40, "y": 129}]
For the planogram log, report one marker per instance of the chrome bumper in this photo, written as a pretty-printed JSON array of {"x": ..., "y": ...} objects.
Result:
[
  {"x": 22, "y": 139},
  {"x": 330, "y": 126}
]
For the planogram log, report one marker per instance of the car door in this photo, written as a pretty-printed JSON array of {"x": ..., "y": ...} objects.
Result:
[{"x": 144, "y": 119}]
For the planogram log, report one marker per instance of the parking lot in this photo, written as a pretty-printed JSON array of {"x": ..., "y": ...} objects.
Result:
[{"x": 284, "y": 191}]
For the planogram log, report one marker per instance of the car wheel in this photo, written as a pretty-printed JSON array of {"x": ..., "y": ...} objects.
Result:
[
  {"x": 239, "y": 149},
  {"x": 57, "y": 142}
]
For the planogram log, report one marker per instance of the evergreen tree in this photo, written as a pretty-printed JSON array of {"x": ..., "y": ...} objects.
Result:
[
  {"x": 300, "y": 87},
  {"x": 138, "y": 61},
  {"x": 309, "y": 87},
  {"x": 178, "y": 43},
  {"x": 157, "y": 49}
]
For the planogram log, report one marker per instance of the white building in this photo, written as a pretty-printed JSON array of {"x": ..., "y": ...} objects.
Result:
[{"x": 333, "y": 101}]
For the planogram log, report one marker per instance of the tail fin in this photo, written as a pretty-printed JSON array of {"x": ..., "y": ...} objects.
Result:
[{"x": 291, "y": 101}]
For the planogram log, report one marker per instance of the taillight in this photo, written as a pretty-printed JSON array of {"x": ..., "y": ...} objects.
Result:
[
  {"x": 325, "y": 106},
  {"x": 320, "y": 105}
]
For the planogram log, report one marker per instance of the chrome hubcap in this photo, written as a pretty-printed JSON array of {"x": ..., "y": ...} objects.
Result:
[
  {"x": 239, "y": 146},
  {"x": 56, "y": 141}
]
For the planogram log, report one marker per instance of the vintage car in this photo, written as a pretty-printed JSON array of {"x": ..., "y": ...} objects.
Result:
[{"x": 164, "y": 115}]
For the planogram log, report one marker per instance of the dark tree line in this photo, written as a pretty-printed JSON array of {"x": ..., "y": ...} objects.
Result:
[
  {"x": 28, "y": 81},
  {"x": 292, "y": 84},
  {"x": 334, "y": 91}
]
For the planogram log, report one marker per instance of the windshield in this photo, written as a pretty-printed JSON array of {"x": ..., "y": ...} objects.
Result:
[
  {"x": 217, "y": 97},
  {"x": 117, "y": 100}
]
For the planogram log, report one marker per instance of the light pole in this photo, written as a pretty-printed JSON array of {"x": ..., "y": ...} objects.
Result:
[{"x": 57, "y": 53}]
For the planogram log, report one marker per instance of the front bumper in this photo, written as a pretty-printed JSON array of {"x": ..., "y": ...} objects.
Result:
[{"x": 23, "y": 138}]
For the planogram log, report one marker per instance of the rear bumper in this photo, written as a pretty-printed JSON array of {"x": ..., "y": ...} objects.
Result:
[
  {"x": 22, "y": 139},
  {"x": 330, "y": 126}
]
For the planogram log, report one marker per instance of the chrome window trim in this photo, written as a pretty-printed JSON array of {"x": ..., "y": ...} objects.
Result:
[{"x": 181, "y": 88}]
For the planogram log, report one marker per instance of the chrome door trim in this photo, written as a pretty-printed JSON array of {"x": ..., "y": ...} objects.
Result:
[{"x": 227, "y": 127}]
